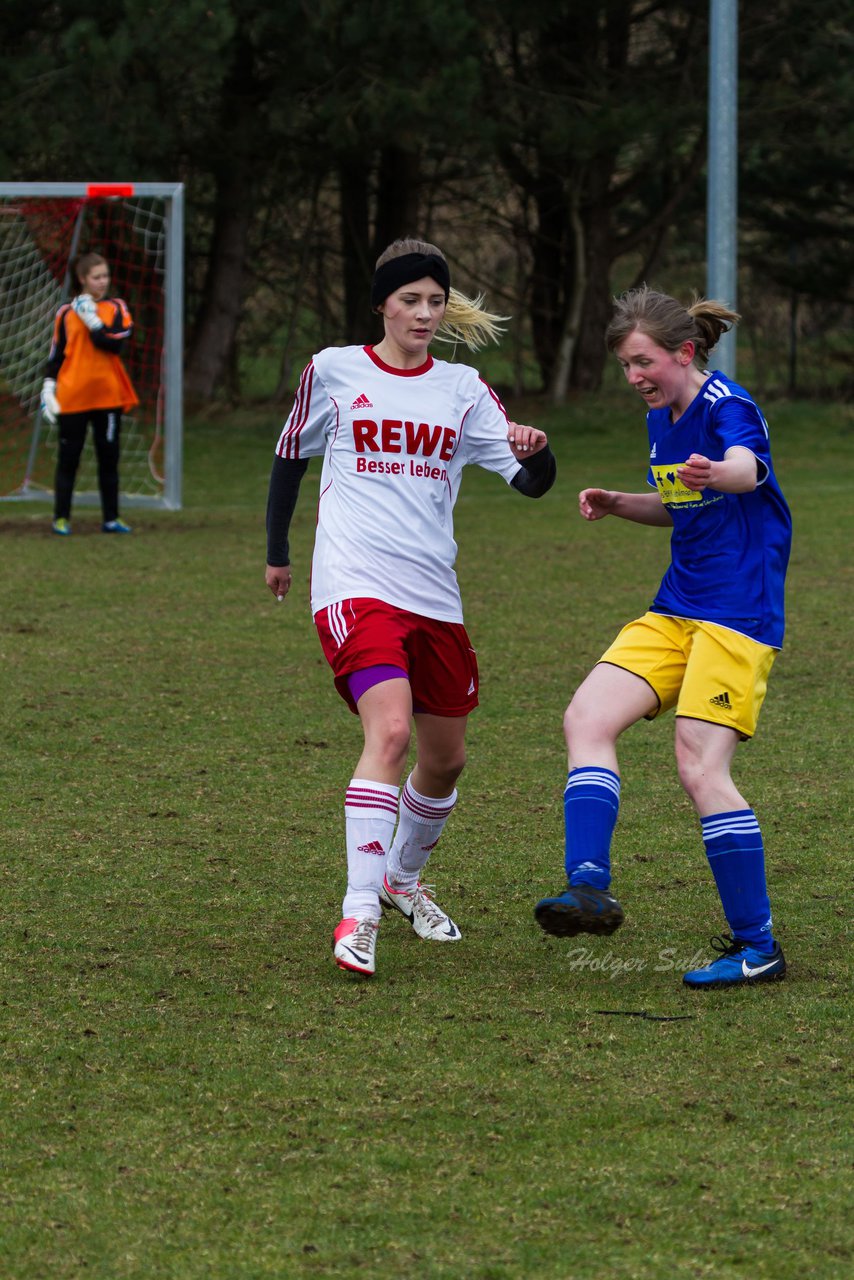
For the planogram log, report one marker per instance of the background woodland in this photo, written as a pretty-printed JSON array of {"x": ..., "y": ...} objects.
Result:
[{"x": 556, "y": 151}]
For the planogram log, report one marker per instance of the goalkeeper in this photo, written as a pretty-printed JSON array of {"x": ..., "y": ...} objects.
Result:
[{"x": 87, "y": 382}]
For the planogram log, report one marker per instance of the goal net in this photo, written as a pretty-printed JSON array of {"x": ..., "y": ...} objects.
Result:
[{"x": 137, "y": 228}]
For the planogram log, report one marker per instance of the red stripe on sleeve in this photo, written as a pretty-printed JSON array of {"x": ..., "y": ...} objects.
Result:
[{"x": 289, "y": 443}]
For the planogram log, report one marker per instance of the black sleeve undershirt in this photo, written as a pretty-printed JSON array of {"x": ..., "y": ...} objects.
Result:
[
  {"x": 537, "y": 475},
  {"x": 285, "y": 479}
]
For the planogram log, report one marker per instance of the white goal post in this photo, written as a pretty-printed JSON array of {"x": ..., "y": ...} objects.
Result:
[{"x": 138, "y": 227}]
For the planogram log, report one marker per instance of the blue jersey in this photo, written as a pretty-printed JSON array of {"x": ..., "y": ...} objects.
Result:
[{"x": 729, "y": 551}]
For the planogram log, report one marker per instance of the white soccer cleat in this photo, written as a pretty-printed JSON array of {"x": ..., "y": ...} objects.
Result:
[
  {"x": 354, "y": 945},
  {"x": 427, "y": 919}
]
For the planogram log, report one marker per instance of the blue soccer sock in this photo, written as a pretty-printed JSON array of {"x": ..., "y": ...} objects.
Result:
[
  {"x": 591, "y": 803},
  {"x": 737, "y": 857}
]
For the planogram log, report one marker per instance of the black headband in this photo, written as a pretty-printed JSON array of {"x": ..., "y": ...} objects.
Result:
[{"x": 397, "y": 272}]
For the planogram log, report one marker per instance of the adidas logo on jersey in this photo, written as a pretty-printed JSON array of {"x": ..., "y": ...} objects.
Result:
[
  {"x": 374, "y": 847},
  {"x": 361, "y": 402},
  {"x": 715, "y": 390},
  {"x": 721, "y": 700}
]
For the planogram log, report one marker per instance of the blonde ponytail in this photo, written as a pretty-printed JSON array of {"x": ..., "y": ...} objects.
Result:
[{"x": 466, "y": 320}]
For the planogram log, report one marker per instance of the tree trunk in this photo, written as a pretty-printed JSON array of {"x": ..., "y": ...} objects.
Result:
[
  {"x": 234, "y": 171},
  {"x": 574, "y": 292},
  {"x": 590, "y": 350},
  {"x": 222, "y": 296},
  {"x": 353, "y": 187},
  {"x": 398, "y": 197},
  {"x": 600, "y": 251},
  {"x": 548, "y": 274}
]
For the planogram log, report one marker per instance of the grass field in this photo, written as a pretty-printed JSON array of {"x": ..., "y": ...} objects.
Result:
[{"x": 192, "y": 1090}]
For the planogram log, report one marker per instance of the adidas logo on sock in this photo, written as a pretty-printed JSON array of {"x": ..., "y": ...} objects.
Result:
[
  {"x": 652, "y": 452},
  {"x": 361, "y": 402},
  {"x": 721, "y": 700},
  {"x": 373, "y": 847}
]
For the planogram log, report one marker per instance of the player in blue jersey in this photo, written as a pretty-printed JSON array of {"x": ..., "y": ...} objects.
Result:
[{"x": 708, "y": 641}]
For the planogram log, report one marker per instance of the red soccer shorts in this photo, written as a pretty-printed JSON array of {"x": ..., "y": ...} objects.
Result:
[{"x": 436, "y": 656}]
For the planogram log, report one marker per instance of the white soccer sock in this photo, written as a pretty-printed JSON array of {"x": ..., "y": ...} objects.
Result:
[
  {"x": 370, "y": 811},
  {"x": 419, "y": 826}
]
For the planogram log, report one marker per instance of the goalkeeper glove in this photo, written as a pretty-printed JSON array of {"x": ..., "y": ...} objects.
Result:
[
  {"x": 84, "y": 306},
  {"x": 49, "y": 403}
]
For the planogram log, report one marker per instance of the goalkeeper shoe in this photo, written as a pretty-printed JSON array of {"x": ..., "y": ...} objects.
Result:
[
  {"x": 354, "y": 945},
  {"x": 427, "y": 919},
  {"x": 115, "y": 526},
  {"x": 62, "y": 527},
  {"x": 580, "y": 909},
  {"x": 738, "y": 964}
]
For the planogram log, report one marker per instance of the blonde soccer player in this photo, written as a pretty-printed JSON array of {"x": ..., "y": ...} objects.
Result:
[{"x": 395, "y": 427}]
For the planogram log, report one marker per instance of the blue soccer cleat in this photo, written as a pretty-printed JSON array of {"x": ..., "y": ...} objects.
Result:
[
  {"x": 581, "y": 909},
  {"x": 739, "y": 964},
  {"x": 115, "y": 526},
  {"x": 62, "y": 527}
]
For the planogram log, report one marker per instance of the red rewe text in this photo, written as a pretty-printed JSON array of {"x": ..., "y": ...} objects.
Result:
[{"x": 394, "y": 436}]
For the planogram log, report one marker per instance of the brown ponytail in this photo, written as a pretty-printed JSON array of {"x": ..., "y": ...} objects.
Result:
[{"x": 668, "y": 322}]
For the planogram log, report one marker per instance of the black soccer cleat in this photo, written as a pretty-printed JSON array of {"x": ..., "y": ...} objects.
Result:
[{"x": 581, "y": 909}]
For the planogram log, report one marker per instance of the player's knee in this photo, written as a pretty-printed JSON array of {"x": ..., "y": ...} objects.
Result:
[
  {"x": 393, "y": 741},
  {"x": 694, "y": 773},
  {"x": 583, "y": 727},
  {"x": 454, "y": 766},
  {"x": 440, "y": 772},
  {"x": 68, "y": 458}
]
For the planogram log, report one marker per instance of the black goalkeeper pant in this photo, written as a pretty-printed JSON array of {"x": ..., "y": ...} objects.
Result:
[{"x": 106, "y": 429}]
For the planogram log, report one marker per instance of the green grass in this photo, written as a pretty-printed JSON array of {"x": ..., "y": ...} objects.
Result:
[{"x": 191, "y": 1089}]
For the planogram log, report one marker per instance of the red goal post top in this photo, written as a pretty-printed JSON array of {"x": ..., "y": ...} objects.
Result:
[{"x": 104, "y": 190}]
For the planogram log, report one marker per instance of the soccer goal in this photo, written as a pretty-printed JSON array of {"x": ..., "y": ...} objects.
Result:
[{"x": 138, "y": 228}]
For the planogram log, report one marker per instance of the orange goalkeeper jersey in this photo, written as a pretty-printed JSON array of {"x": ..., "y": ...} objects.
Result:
[{"x": 88, "y": 371}]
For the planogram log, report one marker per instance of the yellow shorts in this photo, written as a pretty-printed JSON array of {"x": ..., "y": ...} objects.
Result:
[{"x": 705, "y": 671}]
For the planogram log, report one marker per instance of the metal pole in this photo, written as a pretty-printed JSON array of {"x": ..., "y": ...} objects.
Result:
[
  {"x": 722, "y": 181},
  {"x": 174, "y": 349}
]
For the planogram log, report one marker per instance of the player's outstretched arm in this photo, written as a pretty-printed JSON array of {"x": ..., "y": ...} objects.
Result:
[
  {"x": 642, "y": 508},
  {"x": 737, "y": 473}
]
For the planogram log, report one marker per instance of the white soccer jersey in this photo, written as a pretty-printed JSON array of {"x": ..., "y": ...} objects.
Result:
[{"x": 394, "y": 443}]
